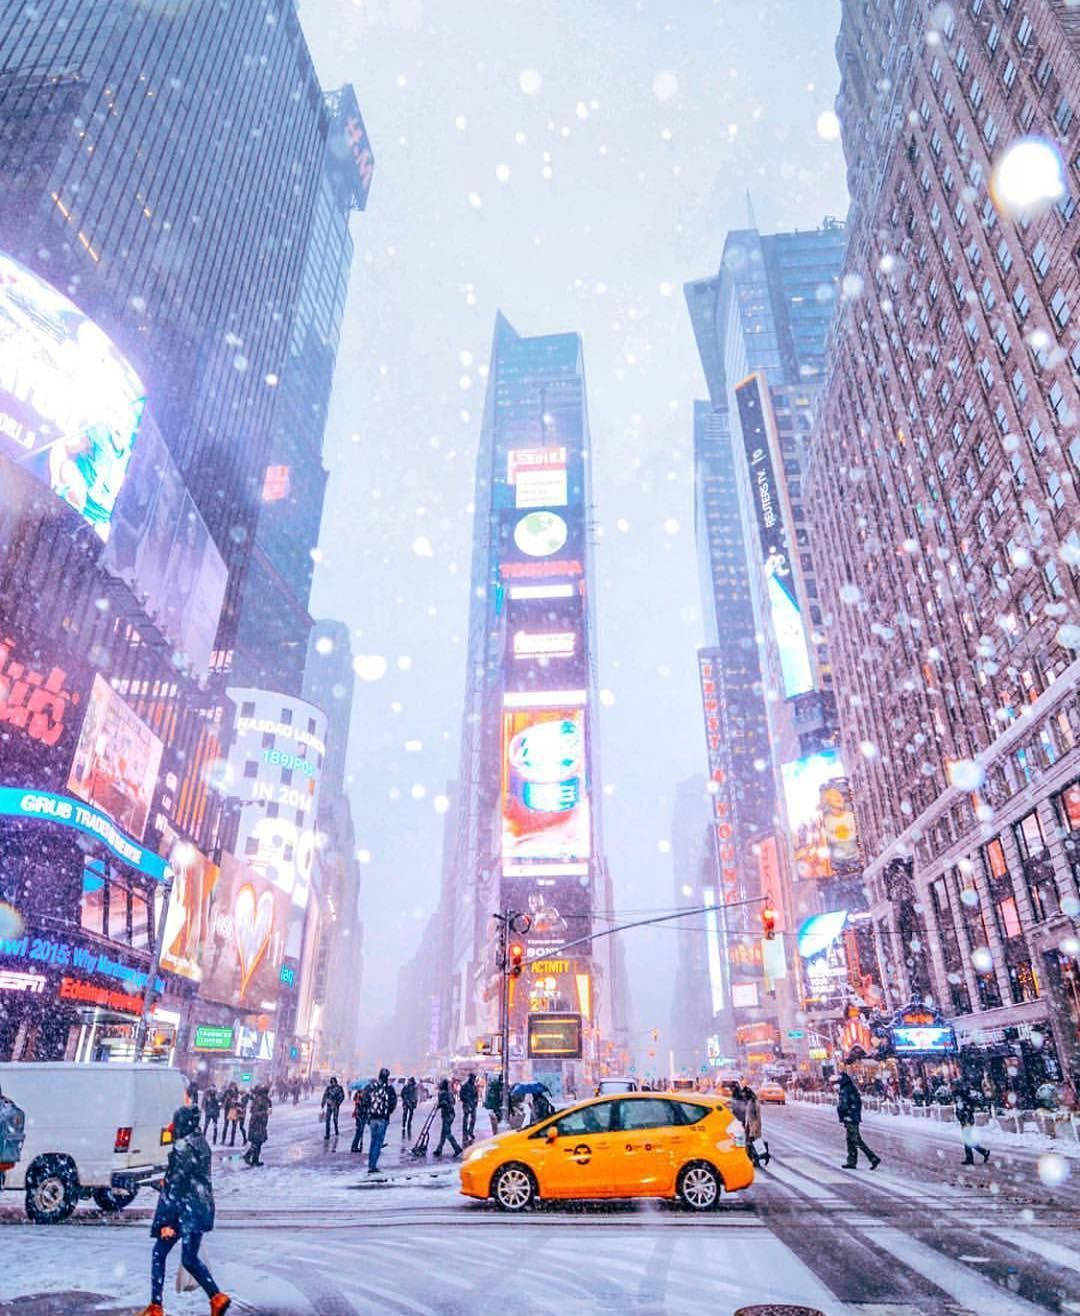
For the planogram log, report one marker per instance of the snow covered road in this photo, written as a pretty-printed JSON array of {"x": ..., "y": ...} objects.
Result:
[{"x": 311, "y": 1234}]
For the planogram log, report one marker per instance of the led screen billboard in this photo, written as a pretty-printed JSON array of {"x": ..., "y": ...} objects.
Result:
[
  {"x": 116, "y": 760},
  {"x": 350, "y": 159},
  {"x": 194, "y": 880},
  {"x": 70, "y": 404},
  {"x": 545, "y": 804},
  {"x": 244, "y": 946},
  {"x": 838, "y": 827},
  {"x": 557, "y": 1036},
  {"x": 161, "y": 549},
  {"x": 531, "y": 540},
  {"x": 545, "y": 644},
  {"x": 537, "y": 476},
  {"x": 803, "y": 779},
  {"x": 558, "y": 908}
]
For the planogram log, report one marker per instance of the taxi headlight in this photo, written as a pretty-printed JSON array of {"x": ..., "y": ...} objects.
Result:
[{"x": 477, "y": 1154}]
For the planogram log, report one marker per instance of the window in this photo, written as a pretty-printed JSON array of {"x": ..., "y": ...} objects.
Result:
[
  {"x": 1008, "y": 918},
  {"x": 1004, "y": 256},
  {"x": 961, "y": 59},
  {"x": 645, "y": 1113},
  {"x": 1019, "y": 386},
  {"x": 690, "y": 1112},
  {"x": 993, "y": 37},
  {"x": 1036, "y": 437},
  {"x": 92, "y": 902},
  {"x": 286, "y": 776},
  {"x": 1040, "y": 258},
  {"x": 247, "y": 708},
  {"x": 140, "y": 922},
  {"x": 1060, "y": 308},
  {"x": 1056, "y": 398},
  {"x": 1008, "y": 75},
  {"x": 251, "y": 769},
  {"x": 1063, "y": 115},
  {"x": 1023, "y": 982},
  {"x": 1021, "y": 301},
  {"x": 1029, "y": 836},
  {"x": 118, "y": 912},
  {"x": 975, "y": 93},
  {"x": 1068, "y": 807},
  {"x": 286, "y": 716},
  {"x": 580, "y": 1123},
  {"x": 986, "y": 292},
  {"x": 1044, "y": 72},
  {"x": 268, "y": 740},
  {"x": 1023, "y": 33},
  {"x": 986, "y": 373},
  {"x": 251, "y": 845},
  {"x": 935, "y": 142},
  {"x": 1001, "y": 337},
  {"x": 990, "y": 130},
  {"x": 1055, "y": 491}
]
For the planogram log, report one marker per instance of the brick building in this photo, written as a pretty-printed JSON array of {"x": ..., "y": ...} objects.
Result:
[{"x": 941, "y": 491}]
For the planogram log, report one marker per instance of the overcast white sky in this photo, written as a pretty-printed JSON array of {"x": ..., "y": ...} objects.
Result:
[{"x": 582, "y": 203}]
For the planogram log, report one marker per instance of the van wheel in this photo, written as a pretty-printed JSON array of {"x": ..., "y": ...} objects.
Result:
[
  {"x": 52, "y": 1190},
  {"x": 699, "y": 1186},
  {"x": 513, "y": 1188},
  {"x": 114, "y": 1199}
]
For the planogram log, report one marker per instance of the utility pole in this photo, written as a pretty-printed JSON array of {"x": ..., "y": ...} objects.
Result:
[{"x": 504, "y": 1009}]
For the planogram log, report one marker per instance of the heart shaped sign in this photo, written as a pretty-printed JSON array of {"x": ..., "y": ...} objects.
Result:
[{"x": 253, "y": 922}]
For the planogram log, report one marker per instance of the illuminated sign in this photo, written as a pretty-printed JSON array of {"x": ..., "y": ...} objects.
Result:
[
  {"x": 744, "y": 995},
  {"x": 538, "y": 476},
  {"x": 757, "y": 426},
  {"x": 254, "y": 1044},
  {"x": 116, "y": 760},
  {"x": 543, "y": 698},
  {"x": 540, "y": 534},
  {"x": 242, "y": 956},
  {"x": 717, "y": 744},
  {"x": 286, "y": 730},
  {"x": 47, "y": 953},
  {"x": 14, "y": 980},
  {"x": 75, "y": 989},
  {"x": 559, "y": 910},
  {"x": 713, "y": 951},
  {"x": 277, "y": 484},
  {"x": 554, "y": 1036},
  {"x": 817, "y": 933},
  {"x": 534, "y": 570},
  {"x": 16, "y": 803},
  {"x": 287, "y": 976},
  {"x": 542, "y": 591},
  {"x": 838, "y": 826},
  {"x": 32, "y": 702},
  {"x": 803, "y": 779},
  {"x": 194, "y": 878},
  {"x": 936, "y": 1039},
  {"x": 209, "y": 1037},
  {"x": 545, "y": 805},
  {"x": 557, "y": 644},
  {"x": 70, "y": 404}
]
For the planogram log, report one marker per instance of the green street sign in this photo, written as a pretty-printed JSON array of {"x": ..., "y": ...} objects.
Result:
[
  {"x": 210, "y": 1037},
  {"x": 245, "y": 1077},
  {"x": 795, "y": 1034}
]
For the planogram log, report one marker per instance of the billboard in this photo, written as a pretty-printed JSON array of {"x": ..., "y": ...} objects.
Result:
[
  {"x": 70, "y": 404},
  {"x": 194, "y": 879},
  {"x": 545, "y": 643},
  {"x": 778, "y": 564},
  {"x": 350, "y": 159},
  {"x": 40, "y": 708},
  {"x": 161, "y": 549},
  {"x": 559, "y": 908},
  {"x": 556, "y": 1036},
  {"x": 116, "y": 760},
  {"x": 537, "y": 476},
  {"x": 803, "y": 779},
  {"x": 530, "y": 541},
  {"x": 838, "y": 826},
  {"x": 545, "y": 804},
  {"x": 714, "y": 709},
  {"x": 246, "y": 925}
]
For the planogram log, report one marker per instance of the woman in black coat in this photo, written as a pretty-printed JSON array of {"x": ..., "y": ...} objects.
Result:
[{"x": 185, "y": 1211}]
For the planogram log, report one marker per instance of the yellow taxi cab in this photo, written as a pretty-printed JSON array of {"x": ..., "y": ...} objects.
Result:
[
  {"x": 772, "y": 1094},
  {"x": 637, "y": 1144}
]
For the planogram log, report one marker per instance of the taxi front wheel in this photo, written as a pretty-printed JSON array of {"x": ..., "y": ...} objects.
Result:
[
  {"x": 699, "y": 1186},
  {"x": 513, "y": 1188}
]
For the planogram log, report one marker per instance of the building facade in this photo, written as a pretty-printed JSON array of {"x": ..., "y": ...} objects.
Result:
[
  {"x": 942, "y": 496},
  {"x": 527, "y": 835}
]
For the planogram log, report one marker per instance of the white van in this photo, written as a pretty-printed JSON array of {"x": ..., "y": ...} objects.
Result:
[{"x": 91, "y": 1131}]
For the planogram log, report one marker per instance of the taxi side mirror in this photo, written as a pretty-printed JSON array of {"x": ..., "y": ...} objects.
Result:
[{"x": 552, "y": 1132}]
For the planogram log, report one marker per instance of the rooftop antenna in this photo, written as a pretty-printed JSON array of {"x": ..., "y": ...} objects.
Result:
[{"x": 750, "y": 211}]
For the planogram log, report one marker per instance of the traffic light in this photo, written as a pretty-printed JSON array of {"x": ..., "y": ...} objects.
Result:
[
  {"x": 517, "y": 955},
  {"x": 768, "y": 919}
]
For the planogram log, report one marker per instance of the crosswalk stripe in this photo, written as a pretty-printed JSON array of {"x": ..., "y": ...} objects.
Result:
[{"x": 1043, "y": 1247}]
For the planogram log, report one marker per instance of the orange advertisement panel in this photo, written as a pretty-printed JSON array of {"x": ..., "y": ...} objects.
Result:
[
  {"x": 247, "y": 926},
  {"x": 116, "y": 760}
]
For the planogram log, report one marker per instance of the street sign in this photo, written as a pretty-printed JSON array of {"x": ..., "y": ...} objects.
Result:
[{"x": 795, "y": 1034}]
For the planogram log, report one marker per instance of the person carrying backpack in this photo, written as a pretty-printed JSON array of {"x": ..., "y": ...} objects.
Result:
[{"x": 382, "y": 1102}]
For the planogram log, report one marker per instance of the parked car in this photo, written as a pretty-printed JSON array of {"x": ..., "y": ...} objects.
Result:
[{"x": 97, "y": 1131}]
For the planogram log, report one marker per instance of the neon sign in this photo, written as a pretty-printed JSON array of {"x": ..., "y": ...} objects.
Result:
[
  {"x": 31, "y": 702},
  {"x": 18, "y": 803}
]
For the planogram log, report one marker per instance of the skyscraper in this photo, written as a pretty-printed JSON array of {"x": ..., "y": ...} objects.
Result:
[
  {"x": 528, "y": 833},
  {"x": 942, "y": 497}
]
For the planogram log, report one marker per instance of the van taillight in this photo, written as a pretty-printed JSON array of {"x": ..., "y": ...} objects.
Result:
[
  {"x": 166, "y": 1135},
  {"x": 123, "y": 1140}
]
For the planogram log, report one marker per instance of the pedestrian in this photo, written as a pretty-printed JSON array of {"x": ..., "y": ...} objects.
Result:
[
  {"x": 409, "y": 1098},
  {"x": 360, "y": 1109},
  {"x": 258, "y": 1124},
  {"x": 470, "y": 1098},
  {"x": 235, "y": 1106},
  {"x": 752, "y": 1123},
  {"x": 493, "y": 1101},
  {"x": 446, "y": 1114},
  {"x": 382, "y": 1102},
  {"x": 295, "y": 1088},
  {"x": 211, "y": 1110},
  {"x": 332, "y": 1098},
  {"x": 849, "y": 1112},
  {"x": 185, "y": 1212},
  {"x": 966, "y": 1100}
]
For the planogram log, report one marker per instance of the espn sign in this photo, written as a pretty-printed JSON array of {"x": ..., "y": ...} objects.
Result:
[{"x": 14, "y": 980}]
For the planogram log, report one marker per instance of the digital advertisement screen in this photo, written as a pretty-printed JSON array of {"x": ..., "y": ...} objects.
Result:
[
  {"x": 545, "y": 805},
  {"x": 247, "y": 922},
  {"x": 530, "y": 540},
  {"x": 70, "y": 404},
  {"x": 791, "y": 642},
  {"x": 559, "y": 908},
  {"x": 557, "y": 1036},
  {"x": 838, "y": 826},
  {"x": 116, "y": 760},
  {"x": 194, "y": 880},
  {"x": 545, "y": 644},
  {"x": 818, "y": 932},
  {"x": 933, "y": 1038},
  {"x": 803, "y": 779},
  {"x": 538, "y": 476}
]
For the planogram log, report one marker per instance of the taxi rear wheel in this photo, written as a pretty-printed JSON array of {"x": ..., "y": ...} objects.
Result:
[
  {"x": 699, "y": 1186},
  {"x": 513, "y": 1188}
]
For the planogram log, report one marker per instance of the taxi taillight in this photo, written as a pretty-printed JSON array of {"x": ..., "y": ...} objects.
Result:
[{"x": 123, "y": 1140}]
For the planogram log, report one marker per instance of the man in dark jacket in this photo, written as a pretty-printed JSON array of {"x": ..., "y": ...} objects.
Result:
[
  {"x": 446, "y": 1115},
  {"x": 258, "y": 1124},
  {"x": 185, "y": 1211},
  {"x": 470, "y": 1098},
  {"x": 361, "y": 1108},
  {"x": 382, "y": 1102},
  {"x": 966, "y": 1100},
  {"x": 211, "y": 1111},
  {"x": 332, "y": 1098},
  {"x": 409, "y": 1099},
  {"x": 849, "y": 1112},
  {"x": 493, "y": 1101}
]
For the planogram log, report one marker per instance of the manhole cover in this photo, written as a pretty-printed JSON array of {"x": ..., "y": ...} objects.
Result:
[{"x": 778, "y": 1309}]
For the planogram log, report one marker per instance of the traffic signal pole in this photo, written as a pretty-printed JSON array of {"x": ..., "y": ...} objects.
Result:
[{"x": 505, "y": 919}]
